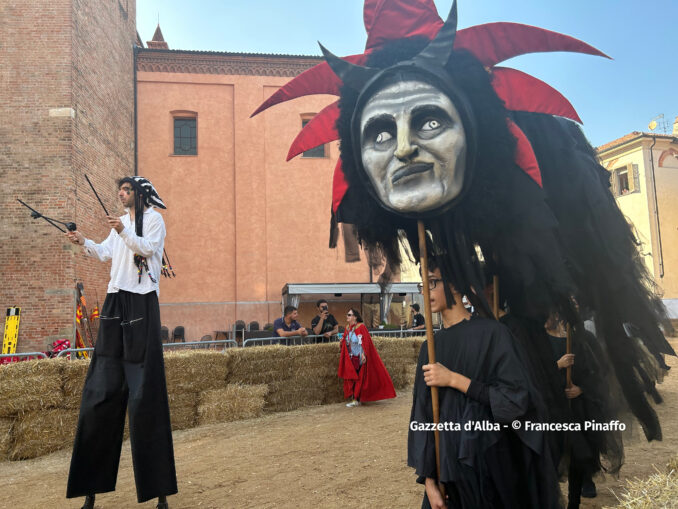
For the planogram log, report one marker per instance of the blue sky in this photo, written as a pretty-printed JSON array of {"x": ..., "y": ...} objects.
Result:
[{"x": 613, "y": 97}]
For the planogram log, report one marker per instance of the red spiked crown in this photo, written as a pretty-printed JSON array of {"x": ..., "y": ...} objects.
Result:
[{"x": 491, "y": 44}]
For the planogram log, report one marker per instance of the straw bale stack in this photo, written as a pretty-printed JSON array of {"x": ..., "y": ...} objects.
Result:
[
  {"x": 183, "y": 409},
  {"x": 262, "y": 364},
  {"x": 5, "y": 437},
  {"x": 395, "y": 350},
  {"x": 658, "y": 490},
  {"x": 73, "y": 374},
  {"x": 402, "y": 376},
  {"x": 195, "y": 371},
  {"x": 40, "y": 432},
  {"x": 29, "y": 385},
  {"x": 418, "y": 342},
  {"x": 294, "y": 393},
  {"x": 232, "y": 403},
  {"x": 334, "y": 392}
]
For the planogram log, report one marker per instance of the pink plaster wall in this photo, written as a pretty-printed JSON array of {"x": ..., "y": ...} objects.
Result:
[{"x": 241, "y": 222}]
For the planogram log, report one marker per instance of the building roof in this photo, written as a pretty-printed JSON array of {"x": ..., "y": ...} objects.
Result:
[
  {"x": 158, "y": 41},
  {"x": 632, "y": 136},
  {"x": 226, "y": 63},
  {"x": 177, "y": 52},
  {"x": 157, "y": 36}
]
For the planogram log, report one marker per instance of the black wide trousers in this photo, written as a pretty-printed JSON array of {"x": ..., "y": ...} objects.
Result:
[{"x": 127, "y": 372}]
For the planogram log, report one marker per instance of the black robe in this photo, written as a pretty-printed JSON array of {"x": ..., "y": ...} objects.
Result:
[{"x": 483, "y": 468}]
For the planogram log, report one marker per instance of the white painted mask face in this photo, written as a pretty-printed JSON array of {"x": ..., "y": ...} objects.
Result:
[{"x": 413, "y": 147}]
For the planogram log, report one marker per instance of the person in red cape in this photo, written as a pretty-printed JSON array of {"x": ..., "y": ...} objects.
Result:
[{"x": 365, "y": 376}]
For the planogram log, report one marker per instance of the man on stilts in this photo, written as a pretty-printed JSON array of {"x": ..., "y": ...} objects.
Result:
[{"x": 127, "y": 370}]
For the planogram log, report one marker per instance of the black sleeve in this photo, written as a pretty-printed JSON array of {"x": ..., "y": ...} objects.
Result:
[
  {"x": 315, "y": 321},
  {"x": 479, "y": 391},
  {"x": 332, "y": 321}
]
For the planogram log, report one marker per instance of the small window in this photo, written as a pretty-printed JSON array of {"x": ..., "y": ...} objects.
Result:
[
  {"x": 314, "y": 152},
  {"x": 185, "y": 137},
  {"x": 625, "y": 180}
]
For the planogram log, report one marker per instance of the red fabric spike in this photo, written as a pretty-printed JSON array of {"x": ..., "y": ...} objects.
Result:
[
  {"x": 339, "y": 186},
  {"x": 523, "y": 92},
  {"x": 320, "y": 129},
  {"x": 319, "y": 79},
  {"x": 492, "y": 43},
  {"x": 524, "y": 156},
  {"x": 386, "y": 20}
]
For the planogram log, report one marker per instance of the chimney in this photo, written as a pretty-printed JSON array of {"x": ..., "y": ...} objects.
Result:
[{"x": 158, "y": 41}]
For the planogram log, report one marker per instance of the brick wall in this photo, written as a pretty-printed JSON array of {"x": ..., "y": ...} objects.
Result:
[{"x": 66, "y": 109}]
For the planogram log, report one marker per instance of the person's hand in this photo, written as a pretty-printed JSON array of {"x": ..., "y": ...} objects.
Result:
[
  {"x": 115, "y": 223},
  {"x": 435, "y": 498},
  {"x": 303, "y": 331},
  {"x": 76, "y": 238},
  {"x": 566, "y": 361},
  {"x": 438, "y": 375},
  {"x": 327, "y": 334},
  {"x": 363, "y": 359},
  {"x": 573, "y": 392}
]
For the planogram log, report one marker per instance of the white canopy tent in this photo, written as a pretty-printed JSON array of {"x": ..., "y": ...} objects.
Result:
[{"x": 295, "y": 293}]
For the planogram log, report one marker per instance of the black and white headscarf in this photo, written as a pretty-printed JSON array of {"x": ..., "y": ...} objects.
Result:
[
  {"x": 145, "y": 188},
  {"x": 145, "y": 195}
]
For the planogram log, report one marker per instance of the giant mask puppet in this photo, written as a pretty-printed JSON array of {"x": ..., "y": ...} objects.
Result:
[{"x": 494, "y": 163}]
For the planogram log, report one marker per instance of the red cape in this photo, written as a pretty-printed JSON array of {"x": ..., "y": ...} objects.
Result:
[{"x": 373, "y": 382}]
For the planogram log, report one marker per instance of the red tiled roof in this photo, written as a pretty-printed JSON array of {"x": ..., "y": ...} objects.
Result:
[{"x": 629, "y": 137}]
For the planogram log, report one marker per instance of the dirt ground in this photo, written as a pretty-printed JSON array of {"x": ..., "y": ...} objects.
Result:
[{"x": 329, "y": 456}]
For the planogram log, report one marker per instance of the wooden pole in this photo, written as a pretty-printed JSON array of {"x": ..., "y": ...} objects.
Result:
[
  {"x": 495, "y": 296},
  {"x": 423, "y": 258},
  {"x": 568, "y": 349}
]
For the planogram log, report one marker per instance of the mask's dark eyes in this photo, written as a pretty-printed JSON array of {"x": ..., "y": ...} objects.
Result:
[
  {"x": 383, "y": 137},
  {"x": 379, "y": 131},
  {"x": 431, "y": 125}
]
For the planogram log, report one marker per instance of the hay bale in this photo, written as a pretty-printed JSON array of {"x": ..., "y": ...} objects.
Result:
[
  {"x": 183, "y": 409},
  {"x": 395, "y": 348},
  {"x": 73, "y": 374},
  {"x": 5, "y": 436},
  {"x": 291, "y": 394},
  {"x": 40, "y": 432},
  {"x": 334, "y": 391},
  {"x": 658, "y": 490},
  {"x": 262, "y": 364},
  {"x": 403, "y": 376},
  {"x": 234, "y": 402},
  {"x": 196, "y": 371},
  {"x": 29, "y": 385}
]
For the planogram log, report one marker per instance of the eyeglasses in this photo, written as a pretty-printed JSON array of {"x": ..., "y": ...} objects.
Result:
[
  {"x": 350, "y": 314},
  {"x": 432, "y": 282}
]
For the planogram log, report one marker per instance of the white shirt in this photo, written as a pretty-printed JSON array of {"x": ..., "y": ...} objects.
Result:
[{"x": 121, "y": 247}]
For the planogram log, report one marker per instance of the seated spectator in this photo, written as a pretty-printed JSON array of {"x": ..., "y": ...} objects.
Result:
[
  {"x": 418, "y": 321},
  {"x": 324, "y": 324},
  {"x": 287, "y": 326}
]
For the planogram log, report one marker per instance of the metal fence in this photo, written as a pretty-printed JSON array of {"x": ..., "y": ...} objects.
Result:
[
  {"x": 291, "y": 341},
  {"x": 24, "y": 354},
  {"x": 227, "y": 343},
  {"x": 231, "y": 343}
]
